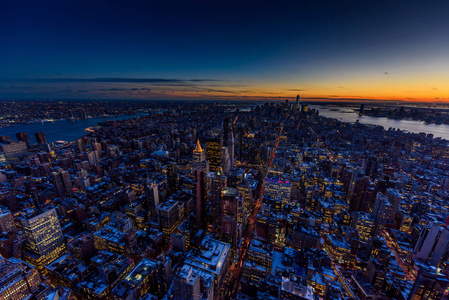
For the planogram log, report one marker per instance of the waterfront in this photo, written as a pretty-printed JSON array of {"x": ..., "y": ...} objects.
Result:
[
  {"x": 65, "y": 130},
  {"x": 347, "y": 114},
  {"x": 71, "y": 130}
]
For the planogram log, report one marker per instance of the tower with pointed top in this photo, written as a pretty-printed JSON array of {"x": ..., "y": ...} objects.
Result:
[{"x": 198, "y": 158}]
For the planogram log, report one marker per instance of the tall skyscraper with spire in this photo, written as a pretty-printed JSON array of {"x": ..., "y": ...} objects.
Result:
[{"x": 198, "y": 158}]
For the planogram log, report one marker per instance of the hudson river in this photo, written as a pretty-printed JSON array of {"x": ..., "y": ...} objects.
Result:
[{"x": 61, "y": 130}]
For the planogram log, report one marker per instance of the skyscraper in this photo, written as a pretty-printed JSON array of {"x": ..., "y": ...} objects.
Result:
[
  {"x": 62, "y": 182},
  {"x": 229, "y": 216},
  {"x": 429, "y": 284},
  {"x": 151, "y": 196},
  {"x": 172, "y": 177},
  {"x": 40, "y": 137},
  {"x": 186, "y": 285},
  {"x": 219, "y": 181},
  {"x": 44, "y": 238},
  {"x": 198, "y": 158},
  {"x": 214, "y": 153},
  {"x": 18, "y": 280},
  {"x": 201, "y": 193},
  {"x": 23, "y": 137}
]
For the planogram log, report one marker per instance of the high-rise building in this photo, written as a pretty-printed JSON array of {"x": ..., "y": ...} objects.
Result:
[
  {"x": 426, "y": 241},
  {"x": 364, "y": 224},
  {"x": 219, "y": 181},
  {"x": 304, "y": 108},
  {"x": 229, "y": 216},
  {"x": 380, "y": 212},
  {"x": 40, "y": 137},
  {"x": 230, "y": 146},
  {"x": 198, "y": 158},
  {"x": 278, "y": 187},
  {"x": 371, "y": 167},
  {"x": 395, "y": 198},
  {"x": 62, "y": 183},
  {"x": 201, "y": 195},
  {"x": 44, "y": 238},
  {"x": 214, "y": 153},
  {"x": 213, "y": 258},
  {"x": 170, "y": 214},
  {"x": 151, "y": 196},
  {"x": 429, "y": 284},
  {"x": 186, "y": 285},
  {"x": 13, "y": 150},
  {"x": 440, "y": 252},
  {"x": 172, "y": 177},
  {"x": 432, "y": 245},
  {"x": 67, "y": 183},
  {"x": 6, "y": 222},
  {"x": 23, "y": 137},
  {"x": 18, "y": 280}
]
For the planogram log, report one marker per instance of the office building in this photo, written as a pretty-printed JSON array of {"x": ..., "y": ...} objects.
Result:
[
  {"x": 23, "y": 137},
  {"x": 229, "y": 216},
  {"x": 201, "y": 197},
  {"x": 18, "y": 280},
  {"x": 198, "y": 158},
  {"x": 219, "y": 181},
  {"x": 44, "y": 238},
  {"x": 7, "y": 222},
  {"x": 278, "y": 187},
  {"x": 170, "y": 215},
  {"x": 13, "y": 150},
  {"x": 213, "y": 258},
  {"x": 364, "y": 224},
  {"x": 429, "y": 284},
  {"x": 40, "y": 137},
  {"x": 214, "y": 153},
  {"x": 186, "y": 285}
]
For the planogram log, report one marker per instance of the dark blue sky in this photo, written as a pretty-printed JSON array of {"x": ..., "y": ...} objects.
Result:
[{"x": 96, "y": 49}]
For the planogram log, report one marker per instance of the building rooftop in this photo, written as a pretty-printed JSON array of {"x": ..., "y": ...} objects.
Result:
[
  {"x": 135, "y": 278},
  {"x": 211, "y": 257}
]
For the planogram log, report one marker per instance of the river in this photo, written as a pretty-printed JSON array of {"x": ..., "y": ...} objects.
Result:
[
  {"x": 347, "y": 114},
  {"x": 71, "y": 130},
  {"x": 58, "y": 130}
]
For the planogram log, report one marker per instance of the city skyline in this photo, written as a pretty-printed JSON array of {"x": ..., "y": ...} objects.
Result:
[{"x": 322, "y": 50}]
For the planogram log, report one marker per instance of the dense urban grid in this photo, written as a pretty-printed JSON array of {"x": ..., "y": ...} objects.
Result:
[{"x": 202, "y": 200}]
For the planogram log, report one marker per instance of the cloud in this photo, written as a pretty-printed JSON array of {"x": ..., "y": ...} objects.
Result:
[
  {"x": 115, "y": 80},
  {"x": 216, "y": 91},
  {"x": 138, "y": 90},
  {"x": 432, "y": 88},
  {"x": 295, "y": 90}
]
